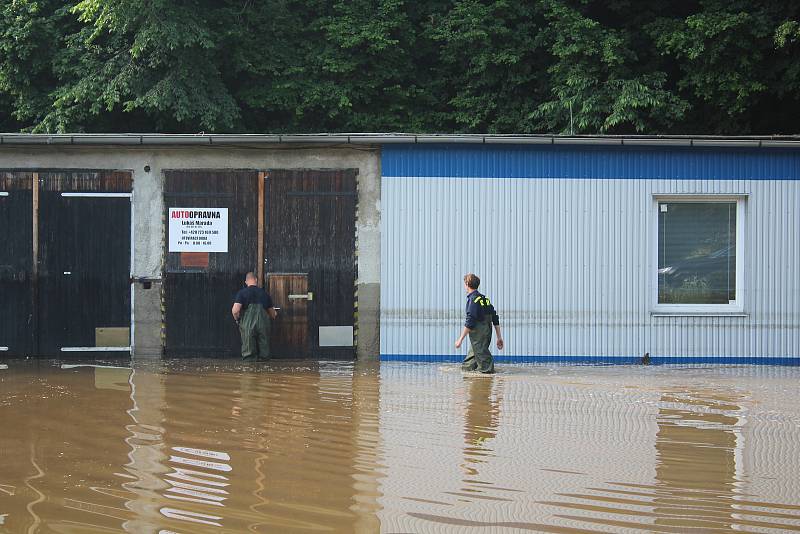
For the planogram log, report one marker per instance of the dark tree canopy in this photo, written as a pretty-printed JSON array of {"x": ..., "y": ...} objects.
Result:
[{"x": 541, "y": 66}]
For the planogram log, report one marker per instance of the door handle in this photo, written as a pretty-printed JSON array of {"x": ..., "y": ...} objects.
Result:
[{"x": 303, "y": 296}]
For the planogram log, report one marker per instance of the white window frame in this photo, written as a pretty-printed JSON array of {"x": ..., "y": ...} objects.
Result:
[{"x": 734, "y": 307}]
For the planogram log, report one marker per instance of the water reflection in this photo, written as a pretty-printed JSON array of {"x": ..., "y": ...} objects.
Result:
[
  {"x": 696, "y": 455},
  {"x": 696, "y": 484},
  {"x": 329, "y": 447},
  {"x": 50, "y": 421},
  {"x": 481, "y": 420},
  {"x": 699, "y": 474},
  {"x": 260, "y": 450},
  {"x": 163, "y": 448}
]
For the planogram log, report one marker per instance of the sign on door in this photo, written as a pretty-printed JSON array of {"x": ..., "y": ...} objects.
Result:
[{"x": 198, "y": 229}]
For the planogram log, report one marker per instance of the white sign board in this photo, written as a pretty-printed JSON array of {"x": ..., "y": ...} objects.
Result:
[{"x": 198, "y": 229}]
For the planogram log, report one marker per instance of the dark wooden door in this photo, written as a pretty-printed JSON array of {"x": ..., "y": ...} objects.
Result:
[
  {"x": 289, "y": 334},
  {"x": 84, "y": 294},
  {"x": 16, "y": 258},
  {"x": 199, "y": 288},
  {"x": 65, "y": 262},
  {"x": 310, "y": 229}
]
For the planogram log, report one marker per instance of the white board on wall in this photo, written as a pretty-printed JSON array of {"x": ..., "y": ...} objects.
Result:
[
  {"x": 198, "y": 229},
  {"x": 335, "y": 336}
]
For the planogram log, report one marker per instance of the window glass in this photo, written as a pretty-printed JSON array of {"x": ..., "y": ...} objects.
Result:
[{"x": 696, "y": 252}]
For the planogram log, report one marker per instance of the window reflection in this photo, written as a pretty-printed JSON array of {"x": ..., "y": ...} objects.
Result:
[{"x": 696, "y": 252}]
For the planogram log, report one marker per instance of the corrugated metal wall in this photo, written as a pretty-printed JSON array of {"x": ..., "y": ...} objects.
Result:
[{"x": 563, "y": 242}]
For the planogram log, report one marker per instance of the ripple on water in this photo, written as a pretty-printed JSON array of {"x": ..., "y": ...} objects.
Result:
[{"x": 219, "y": 446}]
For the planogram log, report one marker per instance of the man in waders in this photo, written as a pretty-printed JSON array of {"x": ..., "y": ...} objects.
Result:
[
  {"x": 253, "y": 310},
  {"x": 481, "y": 315}
]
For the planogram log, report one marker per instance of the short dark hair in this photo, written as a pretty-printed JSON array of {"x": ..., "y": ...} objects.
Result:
[{"x": 472, "y": 281}]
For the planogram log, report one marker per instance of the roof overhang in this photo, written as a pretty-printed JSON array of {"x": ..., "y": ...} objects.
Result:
[{"x": 80, "y": 139}]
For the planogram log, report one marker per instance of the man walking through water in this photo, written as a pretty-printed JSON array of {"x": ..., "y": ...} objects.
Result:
[
  {"x": 481, "y": 315},
  {"x": 253, "y": 310}
]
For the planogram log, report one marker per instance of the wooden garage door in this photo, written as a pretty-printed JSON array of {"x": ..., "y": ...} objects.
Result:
[
  {"x": 16, "y": 258},
  {"x": 65, "y": 273},
  {"x": 199, "y": 287},
  {"x": 311, "y": 218}
]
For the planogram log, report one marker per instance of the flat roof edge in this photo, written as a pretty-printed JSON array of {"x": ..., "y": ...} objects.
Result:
[{"x": 132, "y": 139}]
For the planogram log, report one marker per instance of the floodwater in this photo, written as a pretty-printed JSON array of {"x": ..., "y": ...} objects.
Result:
[{"x": 217, "y": 446}]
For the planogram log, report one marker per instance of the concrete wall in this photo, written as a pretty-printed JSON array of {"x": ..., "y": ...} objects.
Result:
[{"x": 148, "y": 164}]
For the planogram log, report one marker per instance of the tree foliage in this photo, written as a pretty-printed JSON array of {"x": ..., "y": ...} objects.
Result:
[{"x": 499, "y": 66}]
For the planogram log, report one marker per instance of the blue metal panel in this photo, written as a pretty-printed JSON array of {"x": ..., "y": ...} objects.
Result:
[
  {"x": 610, "y": 162},
  {"x": 569, "y": 257}
]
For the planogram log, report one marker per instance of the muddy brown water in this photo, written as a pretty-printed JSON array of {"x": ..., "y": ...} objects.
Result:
[{"x": 215, "y": 446}]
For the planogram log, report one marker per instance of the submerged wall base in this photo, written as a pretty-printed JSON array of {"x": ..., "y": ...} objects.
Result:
[{"x": 602, "y": 360}]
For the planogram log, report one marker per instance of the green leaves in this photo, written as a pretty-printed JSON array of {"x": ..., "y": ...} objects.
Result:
[
  {"x": 787, "y": 33},
  {"x": 491, "y": 63},
  {"x": 728, "y": 62},
  {"x": 155, "y": 56},
  {"x": 597, "y": 82},
  {"x": 497, "y": 66},
  {"x": 31, "y": 38}
]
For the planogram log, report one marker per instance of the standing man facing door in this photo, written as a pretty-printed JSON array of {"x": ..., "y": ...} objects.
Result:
[
  {"x": 253, "y": 311},
  {"x": 481, "y": 316}
]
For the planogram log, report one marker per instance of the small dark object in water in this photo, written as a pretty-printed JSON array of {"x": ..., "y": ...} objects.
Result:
[{"x": 646, "y": 359}]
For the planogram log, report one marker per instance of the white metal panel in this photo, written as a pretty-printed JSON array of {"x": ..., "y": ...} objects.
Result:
[
  {"x": 335, "y": 336},
  {"x": 568, "y": 264}
]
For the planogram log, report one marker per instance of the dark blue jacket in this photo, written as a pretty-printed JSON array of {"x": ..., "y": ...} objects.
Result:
[
  {"x": 253, "y": 295},
  {"x": 478, "y": 306}
]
